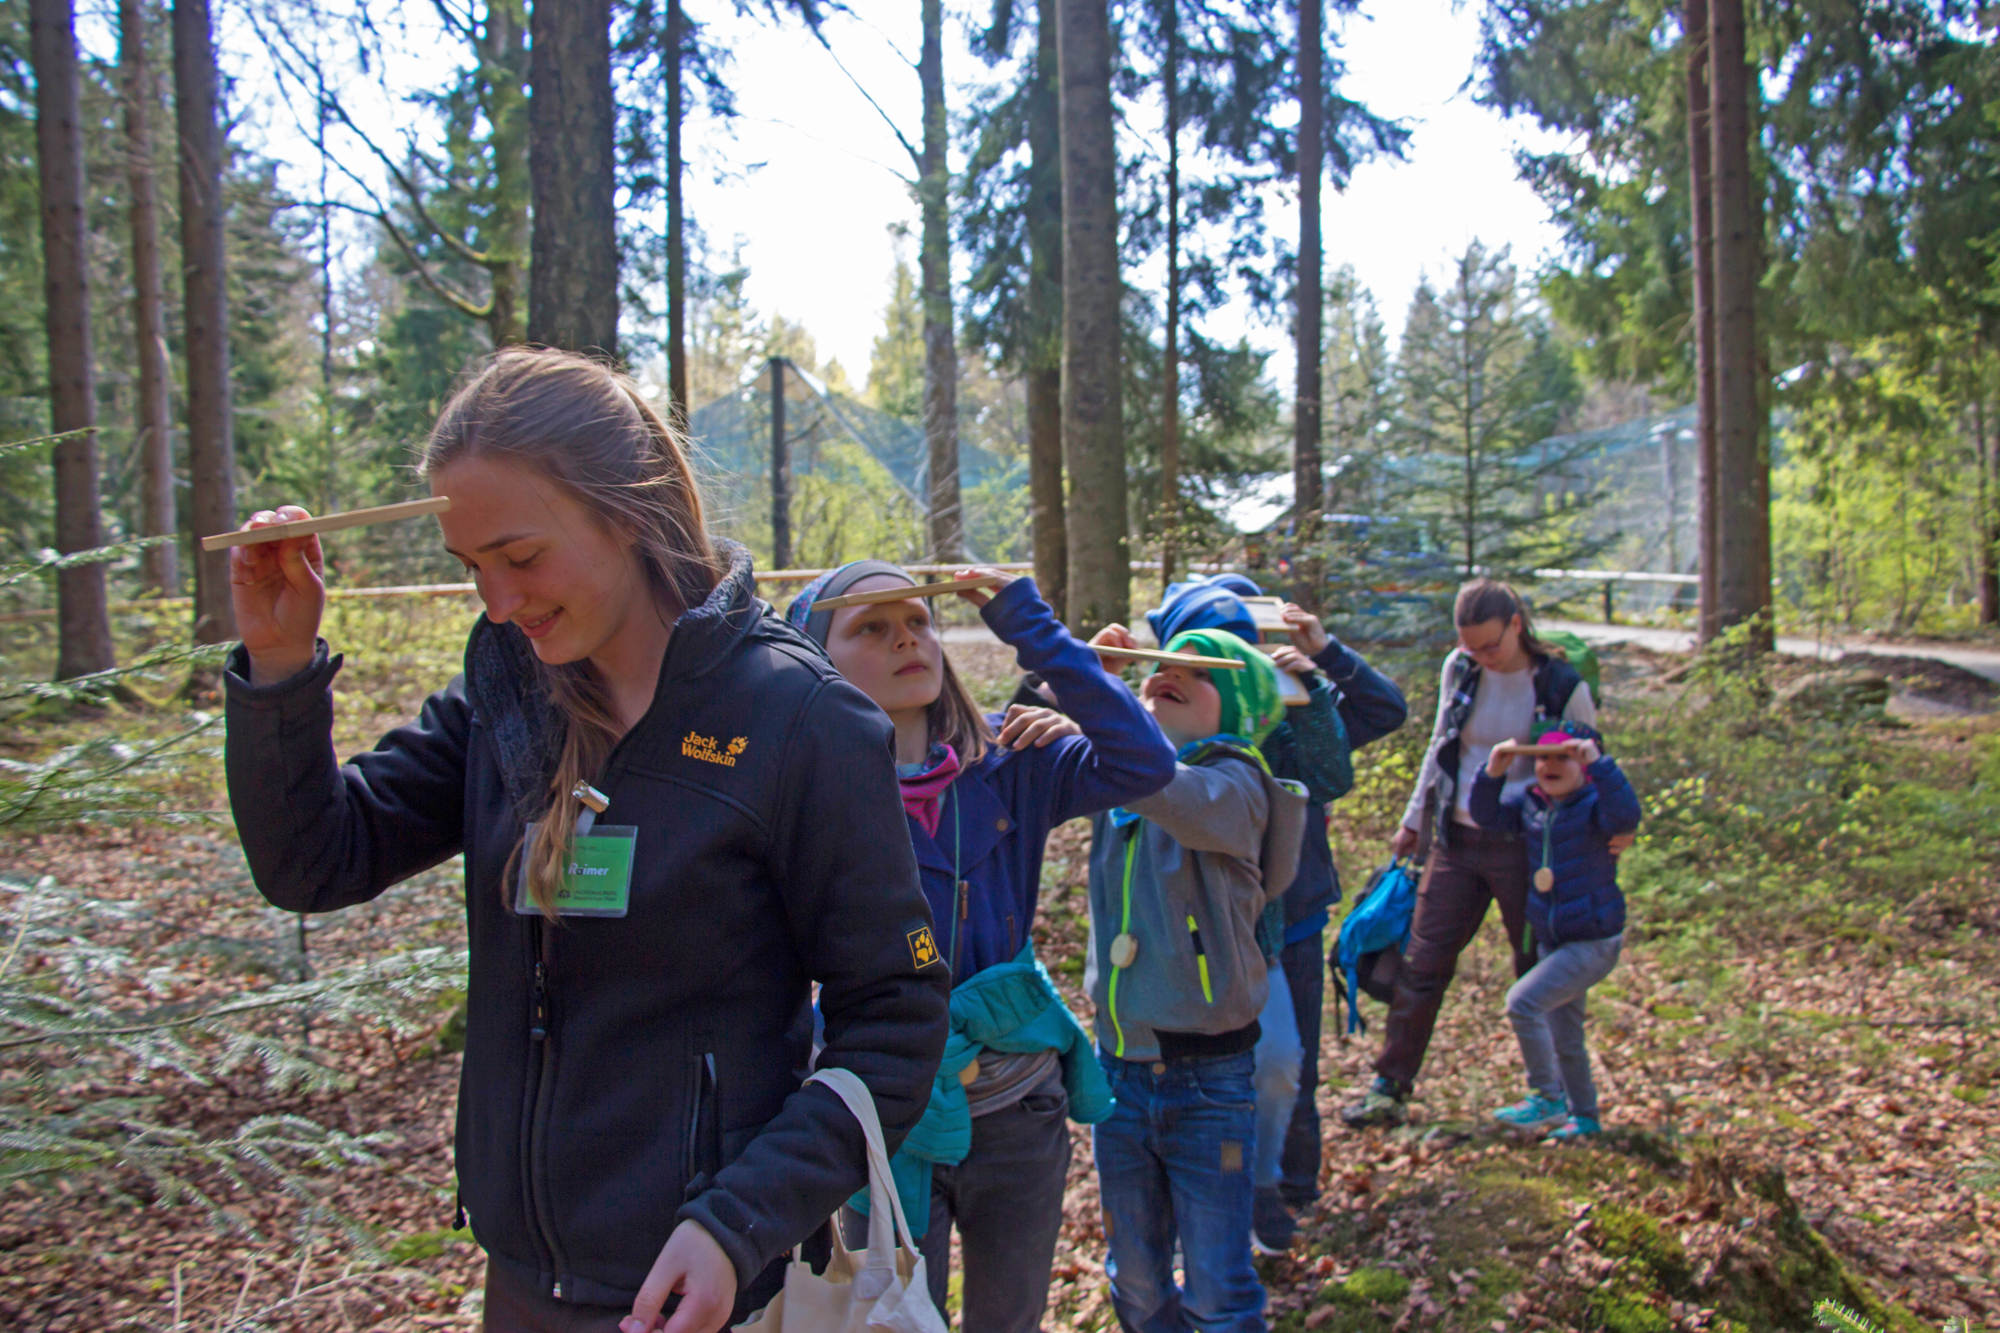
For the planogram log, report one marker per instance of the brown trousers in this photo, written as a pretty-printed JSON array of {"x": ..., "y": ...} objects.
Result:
[{"x": 1459, "y": 881}]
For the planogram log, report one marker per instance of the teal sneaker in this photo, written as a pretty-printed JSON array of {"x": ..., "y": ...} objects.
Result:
[
  {"x": 1534, "y": 1111},
  {"x": 1576, "y": 1128}
]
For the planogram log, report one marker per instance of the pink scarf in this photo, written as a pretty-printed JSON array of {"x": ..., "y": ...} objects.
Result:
[{"x": 922, "y": 792}]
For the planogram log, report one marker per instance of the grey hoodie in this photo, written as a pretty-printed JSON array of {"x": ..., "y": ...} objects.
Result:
[{"x": 1188, "y": 881}]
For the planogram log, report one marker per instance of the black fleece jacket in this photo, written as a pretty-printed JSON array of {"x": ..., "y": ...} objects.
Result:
[{"x": 623, "y": 1074}]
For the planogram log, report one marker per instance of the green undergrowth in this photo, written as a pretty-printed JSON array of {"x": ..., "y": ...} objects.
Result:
[{"x": 1582, "y": 1238}]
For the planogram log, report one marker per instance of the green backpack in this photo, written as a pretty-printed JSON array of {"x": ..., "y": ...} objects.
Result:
[{"x": 1579, "y": 654}]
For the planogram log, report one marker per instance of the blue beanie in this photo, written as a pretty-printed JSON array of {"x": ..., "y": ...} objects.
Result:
[
  {"x": 1201, "y": 605},
  {"x": 1239, "y": 584}
]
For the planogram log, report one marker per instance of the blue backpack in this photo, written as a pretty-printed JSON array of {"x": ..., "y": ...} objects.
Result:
[{"x": 1378, "y": 925}]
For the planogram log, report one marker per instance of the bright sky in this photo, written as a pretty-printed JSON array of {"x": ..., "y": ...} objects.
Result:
[
  {"x": 814, "y": 218},
  {"x": 808, "y": 182}
]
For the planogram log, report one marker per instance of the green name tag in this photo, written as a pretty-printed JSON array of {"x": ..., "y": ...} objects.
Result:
[{"x": 598, "y": 879}]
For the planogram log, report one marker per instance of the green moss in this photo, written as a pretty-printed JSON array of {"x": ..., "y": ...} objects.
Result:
[
  {"x": 1673, "y": 1013},
  {"x": 418, "y": 1246},
  {"x": 1373, "y": 1286},
  {"x": 1626, "y": 1233},
  {"x": 1623, "y": 1312},
  {"x": 1970, "y": 1096}
]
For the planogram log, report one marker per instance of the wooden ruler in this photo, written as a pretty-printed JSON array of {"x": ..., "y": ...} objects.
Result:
[
  {"x": 1181, "y": 659},
  {"x": 1268, "y": 615},
  {"x": 906, "y": 593},
  {"x": 306, "y": 527}
]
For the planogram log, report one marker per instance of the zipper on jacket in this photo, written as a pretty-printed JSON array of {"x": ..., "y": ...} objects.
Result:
[
  {"x": 1201, "y": 961},
  {"x": 541, "y": 1093},
  {"x": 1124, "y": 928}
]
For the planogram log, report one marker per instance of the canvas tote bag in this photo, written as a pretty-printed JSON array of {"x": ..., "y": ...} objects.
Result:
[{"x": 881, "y": 1290}]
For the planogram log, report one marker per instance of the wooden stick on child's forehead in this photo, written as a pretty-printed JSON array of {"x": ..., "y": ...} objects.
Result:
[
  {"x": 306, "y": 527},
  {"x": 907, "y": 592},
  {"x": 1178, "y": 659}
]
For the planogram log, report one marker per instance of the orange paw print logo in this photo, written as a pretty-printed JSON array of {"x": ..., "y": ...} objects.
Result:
[
  {"x": 736, "y": 746},
  {"x": 923, "y": 948}
]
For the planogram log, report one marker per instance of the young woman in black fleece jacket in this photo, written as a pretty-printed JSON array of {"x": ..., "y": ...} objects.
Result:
[{"x": 631, "y": 1125}]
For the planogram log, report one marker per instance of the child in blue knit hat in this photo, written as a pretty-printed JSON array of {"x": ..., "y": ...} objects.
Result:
[{"x": 1578, "y": 803}]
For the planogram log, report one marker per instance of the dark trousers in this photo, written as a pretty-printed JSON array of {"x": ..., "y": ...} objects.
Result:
[
  {"x": 1477, "y": 868},
  {"x": 513, "y": 1306},
  {"x": 1006, "y": 1199},
  {"x": 1305, "y": 973}
]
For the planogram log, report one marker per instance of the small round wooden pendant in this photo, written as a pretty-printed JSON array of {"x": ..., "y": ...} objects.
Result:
[
  {"x": 1123, "y": 950},
  {"x": 968, "y": 1075},
  {"x": 1545, "y": 879}
]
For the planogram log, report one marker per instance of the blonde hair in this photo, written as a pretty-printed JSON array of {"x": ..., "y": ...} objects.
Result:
[{"x": 584, "y": 426}]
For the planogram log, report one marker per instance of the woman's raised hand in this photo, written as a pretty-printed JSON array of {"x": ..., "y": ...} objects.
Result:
[{"x": 279, "y": 592}]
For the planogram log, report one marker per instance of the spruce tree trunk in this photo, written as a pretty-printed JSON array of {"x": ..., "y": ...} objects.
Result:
[
  {"x": 1100, "y": 573},
  {"x": 1170, "y": 371},
  {"x": 1307, "y": 476},
  {"x": 1987, "y": 525},
  {"x": 1701, "y": 192},
  {"x": 1045, "y": 318},
  {"x": 506, "y": 61},
  {"x": 947, "y": 518},
  {"x": 573, "y": 266},
  {"x": 83, "y": 643},
  {"x": 677, "y": 357},
  {"x": 205, "y": 315},
  {"x": 1743, "y": 536},
  {"x": 154, "y": 439}
]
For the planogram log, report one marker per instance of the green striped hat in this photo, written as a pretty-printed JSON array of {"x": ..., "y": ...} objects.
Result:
[{"x": 1251, "y": 707}]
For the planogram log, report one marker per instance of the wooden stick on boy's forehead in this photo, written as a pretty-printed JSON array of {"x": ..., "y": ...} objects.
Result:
[
  {"x": 306, "y": 527},
  {"x": 1177, "y": 659}
]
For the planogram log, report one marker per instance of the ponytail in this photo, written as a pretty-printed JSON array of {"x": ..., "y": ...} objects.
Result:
[{"x": 1489, "y": 599}]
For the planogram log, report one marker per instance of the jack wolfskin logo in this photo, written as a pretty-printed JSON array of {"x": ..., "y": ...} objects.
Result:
[
  {"x": 923, "y": 948},
  {"x": 706, "y": 749}
]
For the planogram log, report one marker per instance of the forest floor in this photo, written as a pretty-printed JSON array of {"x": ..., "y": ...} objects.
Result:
[{"x": 1798, "y": 1056}]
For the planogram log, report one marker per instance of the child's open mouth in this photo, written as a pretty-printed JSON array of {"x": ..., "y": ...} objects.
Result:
[{"x": 1169, "y": 693}]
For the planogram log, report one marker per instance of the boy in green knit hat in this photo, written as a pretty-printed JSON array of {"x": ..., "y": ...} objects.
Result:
[{"x": 1177, "y": 884}]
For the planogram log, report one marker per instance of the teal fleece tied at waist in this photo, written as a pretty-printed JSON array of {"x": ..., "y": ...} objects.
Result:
[{"x": 1012, "y": 1008}]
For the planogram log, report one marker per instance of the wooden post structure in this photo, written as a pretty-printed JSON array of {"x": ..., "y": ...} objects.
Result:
[{"x": 781, "y": 473}]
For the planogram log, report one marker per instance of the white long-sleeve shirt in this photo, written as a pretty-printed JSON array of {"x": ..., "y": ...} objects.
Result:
[{"x": 1503, "y": 709}]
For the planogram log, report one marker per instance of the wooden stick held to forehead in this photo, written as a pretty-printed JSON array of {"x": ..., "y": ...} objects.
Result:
[
  {"x": 1177, "y": 659},
  {"x": 905, "y": 593},
  {"x": 306, "y": 527}
]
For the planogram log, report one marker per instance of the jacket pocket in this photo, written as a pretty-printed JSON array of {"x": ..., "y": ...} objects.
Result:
[{"x": 702, "y": 1153}]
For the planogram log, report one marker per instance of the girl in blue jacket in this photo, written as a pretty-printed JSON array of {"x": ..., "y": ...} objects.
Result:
[
  {"x": 1579, "y": 802},
  {"x": 992, "y": 1153}
]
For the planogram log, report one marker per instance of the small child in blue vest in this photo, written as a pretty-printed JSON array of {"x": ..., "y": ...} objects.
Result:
[{"x": 1578, "y": 802}]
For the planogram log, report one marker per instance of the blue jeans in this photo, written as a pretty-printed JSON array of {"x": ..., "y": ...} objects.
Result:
[
  {"x": 1279, "y": 1056},
  {"x": 1546, "y": 1009},
  {"x": 1174, "y": 1160}
]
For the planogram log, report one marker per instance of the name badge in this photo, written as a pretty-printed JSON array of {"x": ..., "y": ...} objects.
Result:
[{"x": 598, "y": 879}]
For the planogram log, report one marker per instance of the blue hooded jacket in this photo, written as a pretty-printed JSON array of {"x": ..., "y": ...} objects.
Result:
[
  {"x": 1571, "y": 837},
  {"x": 994, "y": 821}
]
